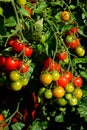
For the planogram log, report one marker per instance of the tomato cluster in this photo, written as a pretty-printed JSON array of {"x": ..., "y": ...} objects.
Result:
[{"x": 62, "y": 87}]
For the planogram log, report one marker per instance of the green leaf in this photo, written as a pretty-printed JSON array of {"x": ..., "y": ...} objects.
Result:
[
  {"x": 17, "y": 126},
  {"x": 6, "y": 127},
  {"x": 36, "y": 125},
  {"x": 59, "y": 118},
  {"x": 10, "y": 22},
  {"x": 24, "y": 12}
]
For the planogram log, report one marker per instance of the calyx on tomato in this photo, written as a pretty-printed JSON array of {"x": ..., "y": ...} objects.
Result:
[
  {"x": 62, "y": 56},
  {"x": 72, "y": 31}
]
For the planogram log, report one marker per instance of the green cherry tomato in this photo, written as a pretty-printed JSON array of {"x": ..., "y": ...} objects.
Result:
[
  {"x": 48, "y": 94},
  {"x": 24, "y": 81},
  {"x": 68, "y": 96},
  {"x": 73, "y": 101},
  {"x": 55, "y": 75},
  {"x": 69, "y": 87},
  {"x": 14, "y": 75},
  {"x": 21, "y": 2},
  {"x": 80, "y": 51},
  {"x": 62, "y": 101},
  {"x": 16, "y": 85},
  {"x": 41, "y": 91}
]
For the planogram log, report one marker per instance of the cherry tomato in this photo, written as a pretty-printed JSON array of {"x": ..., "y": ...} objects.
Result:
[
  {"x": 14, "y": 75},
  {"x": 78, "y": 93},
  {"x": 74, "y": 44},
  {"x": 51, "y": 65},
  {"x": 68, "y": 96},
  {"x": 62, "y": 56},
  {"x": 11, "y": 63},
  {"x": 12, "y": 40},
  {"x": 65, "y": 16},
  {"x": 46, "y": 78},
  {"x": 72, "y": 31},
  {"x": 58, "y": 92},
  {"x": 69, "y": 38},
  {"x": 41, "y": 91},
  {"x": 1, "y": 120},
  {"x": 1, "y": 11},
  {"x": 68, "y": 75},
  {"x": 2, "y": 60},
  {"x": 78, "y": 82},
  {"x": 16, "y": 85},
  {"x": 80, "y": 51},
  {"x": 62, "y": 81},
  {"x": 62, "y": 101},
  {"x": 28, "y": 51},
  {"x": 55, "y": 75},
  {"x": 73, "y": 101},
  {"x": 48, "y": 94},
  {"x": 21, "y": 2},
  {"x": 69, "y": 87},
  {"x": 24, "y": 81},
  {"x": 28, "y": 10},
  {"x": 18, "y": 47},
  {"x": 22, "y": 67}
]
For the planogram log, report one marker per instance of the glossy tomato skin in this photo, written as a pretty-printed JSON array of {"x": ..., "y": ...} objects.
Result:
[
  {"x": 22, "y": 67},
  {"x": 78, "y": 82},
  {"x": 58, "y": 92},
  {"x": 72, "y": 31},
  {"x": 21, "y": 2},
  {"x": 28, "y": 51},
  {"x": 11, "y": 63},
  {"x": 62, "y": 56},
  {"x": 18, "y": 47},
  {"x": 80, "y": 51},
  {"x": 16, "y": 85},
  {"x": 51, "y": 65},
  {"x": 46, "y": 78},
  {"x": 65, "y": 16},
  {"x": 74, "y": 44},
  {"x": 12, "y": 40},
  {"x": 14, "y": 75},
  {"x": 62, "y": 81},
  {"x": 48, "y": 94},
  {"x": 2, "y": 61},
  {"x": 69, "y": 76}
]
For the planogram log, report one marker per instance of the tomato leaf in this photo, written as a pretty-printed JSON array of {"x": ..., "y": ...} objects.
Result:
[
  {"x": 35, "y": 125},
  {"x": 17, "y": 126},
  {"x": 10, "y": 22},
  {"x": 59, "y": 118}
]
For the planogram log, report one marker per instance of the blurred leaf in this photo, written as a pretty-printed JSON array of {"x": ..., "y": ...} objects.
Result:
[
  {"x": 10, "y": 22},
  {"x": 17, "y": 126},
  {"x": 59, "y": 118},
  {"x": 36, "y": 125}
]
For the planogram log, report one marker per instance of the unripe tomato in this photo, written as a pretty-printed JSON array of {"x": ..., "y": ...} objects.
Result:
[
  {"x": 24, "y": 81},
  {"x": 14, "y": 75},
  {"x": 21, "y": 2},
  {"x": 1, "y": 11},
  {"x": 62, "y": 101},
  {"x": 41, "y": 91},
  {"x": 58, "y": 92},
  {"x": 16, "y": 85},
  {"x": 73, "y": 101},
  {"x": 68, "y": 96},
  {"x": 80, "y": 51},
  {"x": 46, "y": 78},
  {"x": 69, "y": 87},
  {"x": 65, "y": 16},
  {"x": 48, "y": 94},
  {"x": 55, "y": 75},
  {"x": 78, "y": 93}
]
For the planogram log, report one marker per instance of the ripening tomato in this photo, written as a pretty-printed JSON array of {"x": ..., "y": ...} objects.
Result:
[
  {"x": 77, "y": 81},
  {"x": 17, "y": 46},
  {"x": 62, "y": 56},
  {"x": 1, "y": 120},
  {"x": 16, "y": 85},
  {"x": 28, "y": 10},
  {"x": 28, "y": 51},
  {"x": 68, "y": 75},
  {"x": 21, "y": 2},
  {"x": 14, "y": 75},
  {"x": 2, "y": 60},
  {"x": 11, "y": 63},
  {"x": 69, "y": 88},
  {"x": 74, "y": 44},
  {"x": 68, "y": 96},
  {"x": 58, "y": 92},
  {"x": 72, "y": 31},
  {"x": 62, "y": 101},
  {"x": 46, "y": 78},
  {"x": 80, "y": 51},
  {"x": 62, "y": 81},
  {"x": 78, "y": 93},
  {"x": 55, "y": 75},
  {"x": 51, "y": 65},
  {"x": 65, "y": 16}
]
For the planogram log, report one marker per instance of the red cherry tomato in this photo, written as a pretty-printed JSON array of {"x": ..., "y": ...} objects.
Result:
[
  {"x": 69, "y": 76},
  {"x": 18, "y": 47},
  {"x": 12, "y": 40},
  {"x": 62, "y": 81},
  {"x": 51, "y": 65},
  {"x": 2, "y": 60},
  {"x": 22, "y": 67},
  {"x": 78, "y": 82},
  {"x": 11, "y": 63},
  {"x": 72, "y": 31},
  {"x": 28, "y": 50},
  {"x": 62, "y": 56}
]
